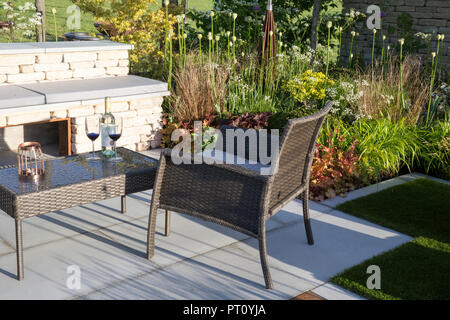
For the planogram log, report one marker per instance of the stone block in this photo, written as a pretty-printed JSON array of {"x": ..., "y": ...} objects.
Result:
[
  {"x": 26, "y": 68},
  {"x": 51, "y": 67},
  {"x": 117, "y": 71},
  {"x": 27, "y": 118},
  {"x": 16, "y": 59},
  {"x": 106, "y": 63},
  {"x": 127, "y": 140},
  {"x": 113, "y": 55},
  {"x": 3, "y": 78},
  {"x": 124, "y": 63},
  {"x": 58, "y": 114},
  {"x": 119, "y": 106},
  {"x": 49, "y": 58},
  {"x": 81, "y": 111},
  {"x": 89, "y": 73},
  {"x": 2, "y": 121},
  {"x": 153, "y": 104},
  {"x": 82, "y": 65},
  {"x": 79, "y": 56},
  {"x": 433, "y": 22},
  {"x": 9, "y": 70},
  {"x": 26, "y": 77},
  {"x": 59, "y": 75}
]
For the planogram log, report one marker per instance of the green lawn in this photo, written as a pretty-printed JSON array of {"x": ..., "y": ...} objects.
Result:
[
  {"x": 87, "y": 20},
  {"x": 420, "y": 268}
]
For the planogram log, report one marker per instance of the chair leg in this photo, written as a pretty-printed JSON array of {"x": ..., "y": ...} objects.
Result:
[
  {"x": 123, "y": 204},
  {"x": 263, "y": 256},
  {"x": 309, "y": 234},
  {"x": 19, "y": 250},
  {"x": 151, "y": 231},
  {"x": 167, "y": 226}
]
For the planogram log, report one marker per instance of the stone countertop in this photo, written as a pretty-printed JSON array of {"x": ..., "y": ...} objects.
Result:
[{"x": 61, "y": 46}]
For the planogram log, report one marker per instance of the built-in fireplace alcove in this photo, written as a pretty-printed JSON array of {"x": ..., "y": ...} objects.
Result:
[{"x": 54, "y": 135}]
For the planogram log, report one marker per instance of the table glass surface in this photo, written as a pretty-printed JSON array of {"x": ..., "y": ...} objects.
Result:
[{"x": 76, "y": 169}]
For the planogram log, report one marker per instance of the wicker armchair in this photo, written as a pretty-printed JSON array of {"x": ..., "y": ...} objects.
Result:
[{"x": 239, "y": 196}]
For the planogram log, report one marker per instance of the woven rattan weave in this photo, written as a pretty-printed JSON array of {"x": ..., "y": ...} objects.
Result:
[
  {"x": 235, "y": 196},
  {"x": 70, "y": 182}
]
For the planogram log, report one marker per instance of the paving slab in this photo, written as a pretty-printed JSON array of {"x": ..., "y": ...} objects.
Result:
[
  {"x": 15, "y": 96},
  {"x": 72, "y": 90},
  {"x": 234, "y": 271},
  {"x": 199, "y": 260},
  {"x": 71, "y": 222}
]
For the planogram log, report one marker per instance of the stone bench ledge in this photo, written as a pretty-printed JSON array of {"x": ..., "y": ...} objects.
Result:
[
  {"x": 63, "y": 46},
  {"x": 75, "y": 91}
]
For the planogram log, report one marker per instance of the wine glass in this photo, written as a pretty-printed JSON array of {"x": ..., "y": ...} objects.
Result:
[
  {"x": 92, "y": 127},
  {"x": 115, "y": 132}
]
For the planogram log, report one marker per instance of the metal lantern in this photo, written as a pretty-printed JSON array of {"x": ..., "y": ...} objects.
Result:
[{"x": 30, "y": 161}]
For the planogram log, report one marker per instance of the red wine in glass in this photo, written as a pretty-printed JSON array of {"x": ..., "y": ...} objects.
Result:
[
  {"x": 115, "y": 136},
  {"x": 93, "y": 136},
  {"x": 93, "y": 132}
]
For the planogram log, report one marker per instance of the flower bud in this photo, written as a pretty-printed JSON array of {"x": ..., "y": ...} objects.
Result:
[
  {"x": 166, "y": 2},
  {"x": 329, "y": 24},
  {"x": 54, "y": 10},
  {"x": 384, "y": 37},
  {"x": 374, "y": 31},
  {"x": 199, "y": 36},
  {"x": 401, "y": 41},
  {"x": 217, "y": 38},
  {"x": 234, "y": 39},
  {"x": 353, "y": 33},
  {"x": 235, "y": 16},
  {"x": 212, "y": 13}
]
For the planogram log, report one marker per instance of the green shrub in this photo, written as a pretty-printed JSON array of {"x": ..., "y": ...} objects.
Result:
[
  {"x": 435, "y": 151},
  {"x": 385, "y": 147}
]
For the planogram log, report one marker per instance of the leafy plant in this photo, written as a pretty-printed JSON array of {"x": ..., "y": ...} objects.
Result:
[
  {"x": 308, "y": 86},
  {"x": 251, "y": 120},
  {"x": 19, "y": 19},
  {"x": 335, "y": 169},
  {"x": 130, "y": 21},
  {"x": 435, "y": 151},
  {"x": 385, "y": 147}
]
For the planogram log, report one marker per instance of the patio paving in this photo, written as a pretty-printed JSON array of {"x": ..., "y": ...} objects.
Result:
[{"x": 199, "y": 260}]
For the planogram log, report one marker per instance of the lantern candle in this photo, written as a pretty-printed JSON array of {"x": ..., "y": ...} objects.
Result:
[{"x": 30, "y": 161}]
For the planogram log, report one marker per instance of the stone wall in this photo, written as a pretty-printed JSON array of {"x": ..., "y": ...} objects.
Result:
[
  {"x": 141, "y": 124},
  {"x": 428, "y": 16},
  {"x": 22, "y": 63},
  {"x": 41, "y": 67}
]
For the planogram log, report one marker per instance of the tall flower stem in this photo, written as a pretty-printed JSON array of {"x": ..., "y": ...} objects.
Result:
[
  {"x": 54, "y": 21},
  {"x": 401, "y": 41},
  {"x": 433, "y": 74},
  {"x": 373, "y": 45},
  {"x": 351, "y": 50},
  {"x": 169, "y": 81},
  {"x": 329, "y": 25}
]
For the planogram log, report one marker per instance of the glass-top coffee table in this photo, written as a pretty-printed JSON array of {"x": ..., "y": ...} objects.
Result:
[{"x": 71, "y": 182}]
